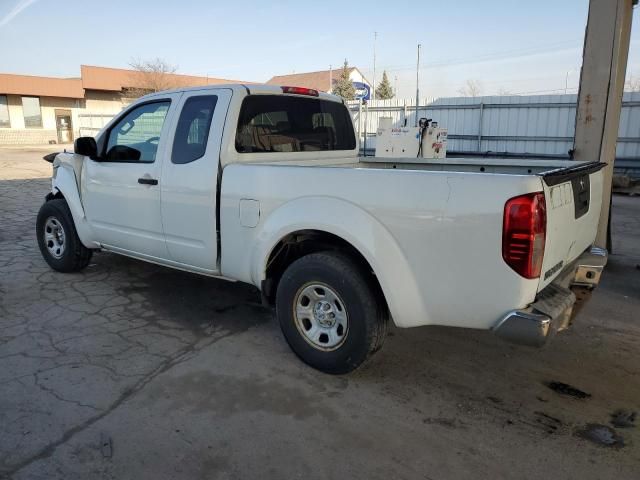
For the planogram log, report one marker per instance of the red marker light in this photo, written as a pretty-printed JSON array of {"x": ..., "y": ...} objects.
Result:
[{"x": 300, "y": 91}]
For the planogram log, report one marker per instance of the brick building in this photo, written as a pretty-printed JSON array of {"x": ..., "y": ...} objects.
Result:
[
  {"x": 40, "y": 110},
  {"x": 322, "y": 80}
]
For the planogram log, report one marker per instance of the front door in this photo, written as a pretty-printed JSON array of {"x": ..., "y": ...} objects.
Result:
[
  {"x": 190, "y": 179},
  {"x": 122, "y": 188},
  {"x": 64, "y": 127}
]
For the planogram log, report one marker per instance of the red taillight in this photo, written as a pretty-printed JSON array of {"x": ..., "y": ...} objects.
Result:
[
  {"x": 301, "y": 91},
  {"x": 523, "y": 234}
]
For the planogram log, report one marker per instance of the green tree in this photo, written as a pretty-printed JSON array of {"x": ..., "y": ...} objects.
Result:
[
  {"x": 384, "y": 90},
  {"x": 344, "y": 86}
]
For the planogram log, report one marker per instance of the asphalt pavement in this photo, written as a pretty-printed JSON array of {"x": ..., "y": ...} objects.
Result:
[{"x": 128, "y": 370}]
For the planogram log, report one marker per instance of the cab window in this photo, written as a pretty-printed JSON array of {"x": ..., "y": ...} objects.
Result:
[
  {"x": 192, "y": 132},
  {"x": 281, "y": 123},
  {"x": 136, "y": 136}
]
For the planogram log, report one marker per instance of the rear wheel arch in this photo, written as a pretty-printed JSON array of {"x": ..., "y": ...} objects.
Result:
[
  {"x": 347, "y": 225},
  {"x": 300, "y": 243}
]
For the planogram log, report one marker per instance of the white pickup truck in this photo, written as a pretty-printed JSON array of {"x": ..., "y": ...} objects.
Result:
[{"x": 263, "y": 184}]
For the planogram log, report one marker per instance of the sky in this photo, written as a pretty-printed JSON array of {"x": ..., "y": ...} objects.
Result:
[{"x": 518, "y": 47}]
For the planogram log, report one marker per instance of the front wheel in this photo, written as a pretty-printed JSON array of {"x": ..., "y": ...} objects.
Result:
[
  {"x": 329, "y": 312},
  {"x": 58, "y": 239}
]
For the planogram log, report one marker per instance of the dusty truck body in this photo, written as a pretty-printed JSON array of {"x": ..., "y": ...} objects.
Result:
[{"x": 264, "y": 185}]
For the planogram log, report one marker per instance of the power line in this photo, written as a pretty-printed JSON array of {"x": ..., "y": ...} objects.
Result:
[
  {"x": 506, "y": 55},
  {"x": 375, "y": 38}
]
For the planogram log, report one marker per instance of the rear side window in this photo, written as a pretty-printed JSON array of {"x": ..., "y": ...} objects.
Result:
[
  {"x": 192, "y": 132},
  {"x": 279, "y": 123}
]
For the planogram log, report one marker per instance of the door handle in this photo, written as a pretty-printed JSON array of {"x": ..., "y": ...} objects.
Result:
[{"x": 147, "y": 181}]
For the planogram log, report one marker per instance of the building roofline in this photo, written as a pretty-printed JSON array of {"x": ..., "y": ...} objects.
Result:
[
  {"x": 13, "y": 84},
  {"x": 107, "y": 79},
  {"x": 312, "y": 73}
]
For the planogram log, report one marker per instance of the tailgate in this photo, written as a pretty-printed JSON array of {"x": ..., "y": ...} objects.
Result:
[{"x": 573, "y": 198}]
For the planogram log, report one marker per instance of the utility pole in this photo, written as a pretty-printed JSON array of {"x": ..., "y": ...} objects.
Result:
[
  {"x": 606, "y": 48},
  {"x": 417, "y": 85},
  {"x": 566, "y": 79},
  {"x": 330, "y": 78},
  {"x": 375, "y": 37}
]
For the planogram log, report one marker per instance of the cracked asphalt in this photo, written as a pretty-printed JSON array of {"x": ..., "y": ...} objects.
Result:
[{"x": 130, "y": 370}]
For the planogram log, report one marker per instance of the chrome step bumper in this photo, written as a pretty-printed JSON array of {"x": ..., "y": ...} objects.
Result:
[{"x": 556, "y": 305}]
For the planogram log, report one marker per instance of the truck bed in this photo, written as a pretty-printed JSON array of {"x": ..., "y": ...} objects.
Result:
[
  {"x": 447, "y": 225},
  {"x": 508, "y": 166},
  {"x": 513, "y": 166}
]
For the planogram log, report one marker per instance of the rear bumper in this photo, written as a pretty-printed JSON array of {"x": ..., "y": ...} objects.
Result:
[{"x": 556, "y": 305}]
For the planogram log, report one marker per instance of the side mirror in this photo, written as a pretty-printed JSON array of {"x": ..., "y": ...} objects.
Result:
[{"x": 86, "y": 146}]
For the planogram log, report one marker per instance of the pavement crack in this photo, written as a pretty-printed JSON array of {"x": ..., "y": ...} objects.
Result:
[
  {"x": 59, "y": 397},
  {"x": 179, "y": 357}
]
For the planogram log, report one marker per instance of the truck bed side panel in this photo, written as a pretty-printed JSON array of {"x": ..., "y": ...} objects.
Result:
[{"x": 447, "y": 226}]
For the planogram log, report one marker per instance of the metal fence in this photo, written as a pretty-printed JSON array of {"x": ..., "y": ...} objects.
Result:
[
  {"x": 89, "y": 124},
  {"x": 539, "y": 126}
]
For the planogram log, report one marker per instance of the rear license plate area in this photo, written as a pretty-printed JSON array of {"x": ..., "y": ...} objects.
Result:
[{"x": 581, "y": 195}]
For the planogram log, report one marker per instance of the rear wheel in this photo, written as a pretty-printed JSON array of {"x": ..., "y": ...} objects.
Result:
[
  {"x": 329, "y": 312},
  {"x": 58, "y": 239}
]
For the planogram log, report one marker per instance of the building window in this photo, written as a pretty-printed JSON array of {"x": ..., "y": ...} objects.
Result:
[
  {"x": 31, "y": 111},
  {"x": 4, "y": 112}
]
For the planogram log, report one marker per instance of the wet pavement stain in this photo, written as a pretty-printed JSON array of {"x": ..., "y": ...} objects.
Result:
[
  {"x": 601, "y": 435},
  {"x": 623, "y": 419},
  {"x": 196, "y": 302},
  {"x": 566, "y": 389},
  {"x": 444, "y": 422},
  {"x": 224, "y": 395},
  {"x": 547, "y": 422}
]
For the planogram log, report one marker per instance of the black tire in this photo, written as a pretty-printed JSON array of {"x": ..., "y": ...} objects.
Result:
[
  {"x": 74, "y": 256},
  {"x": 367, "y": 316}
]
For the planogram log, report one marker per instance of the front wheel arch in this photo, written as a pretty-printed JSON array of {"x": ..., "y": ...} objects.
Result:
[
  {"x": 72, "y": 255},
  {"x": 54, "y": 196}
]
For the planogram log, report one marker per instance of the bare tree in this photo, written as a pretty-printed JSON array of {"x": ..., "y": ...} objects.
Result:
[
  {"x": 504, "y": 92},
  {"x": 471, "y": 88},
  {"x": 151, "y": 76},
  {"x": 632, "y": 84}
]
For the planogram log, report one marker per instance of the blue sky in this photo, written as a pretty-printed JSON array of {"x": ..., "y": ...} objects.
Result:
[{"x": 516, "y": 46}]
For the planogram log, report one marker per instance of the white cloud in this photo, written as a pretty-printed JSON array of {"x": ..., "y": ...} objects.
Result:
[{"x": 18, "y": 7}]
